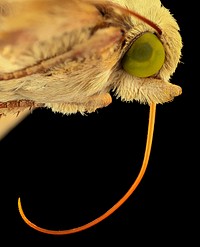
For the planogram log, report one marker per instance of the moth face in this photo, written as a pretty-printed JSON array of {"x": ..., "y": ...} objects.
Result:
[{"x": 149, "y": 59}]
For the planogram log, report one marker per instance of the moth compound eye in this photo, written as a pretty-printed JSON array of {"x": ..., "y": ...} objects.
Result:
[{"x": 145, "y": 57}]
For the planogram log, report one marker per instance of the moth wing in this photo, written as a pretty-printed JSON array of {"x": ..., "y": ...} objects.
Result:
[
  {"x": 24, "y": 22},
  {"x": 71, "y": 31}
]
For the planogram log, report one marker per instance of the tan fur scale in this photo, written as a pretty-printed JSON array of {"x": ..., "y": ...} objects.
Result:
[{"x": 65, "y": 55}]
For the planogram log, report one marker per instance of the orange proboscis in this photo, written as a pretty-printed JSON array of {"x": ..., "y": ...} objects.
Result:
[{"x": 152, "y": 115}]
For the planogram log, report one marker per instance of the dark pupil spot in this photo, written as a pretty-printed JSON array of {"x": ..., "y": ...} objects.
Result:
[{"x": 142, "y": 52}]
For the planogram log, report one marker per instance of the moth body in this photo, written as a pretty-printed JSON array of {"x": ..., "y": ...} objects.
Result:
[{"x": 66, "y": 55}]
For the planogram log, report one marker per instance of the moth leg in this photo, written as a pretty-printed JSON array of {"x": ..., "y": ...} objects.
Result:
[
  {"x": 16, "y": 106},
  {"x": 98, "y": 101},
  {"x": 94, "y": 102}
]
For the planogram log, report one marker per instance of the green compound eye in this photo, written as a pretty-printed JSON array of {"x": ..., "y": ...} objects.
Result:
[{"x": 145, "y": 57}]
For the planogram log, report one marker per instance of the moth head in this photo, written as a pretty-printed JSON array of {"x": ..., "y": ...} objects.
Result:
[{"x": 150, "y": 56}]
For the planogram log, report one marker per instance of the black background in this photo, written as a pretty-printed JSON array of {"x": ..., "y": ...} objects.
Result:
[{"x": 70, "y": 169}]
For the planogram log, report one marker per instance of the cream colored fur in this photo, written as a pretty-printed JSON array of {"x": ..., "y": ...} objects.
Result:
[{"x": 70, "y": 54}]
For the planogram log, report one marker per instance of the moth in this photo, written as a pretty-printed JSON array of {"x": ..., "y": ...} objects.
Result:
[{"x": 69, "y": 55}]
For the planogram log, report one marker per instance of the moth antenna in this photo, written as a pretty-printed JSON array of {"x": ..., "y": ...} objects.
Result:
[
  {"x": 140, "y": 17},
  {"x": 135, "y": 14},
  {"x": 152, "y": 114}
]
